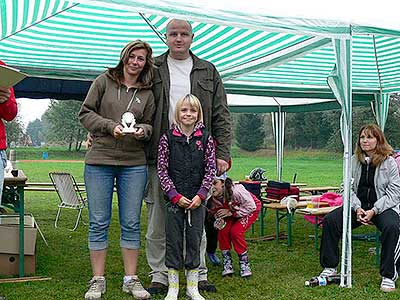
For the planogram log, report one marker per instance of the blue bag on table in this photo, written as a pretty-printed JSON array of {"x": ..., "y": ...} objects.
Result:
[{"x": 253, "y": 187}]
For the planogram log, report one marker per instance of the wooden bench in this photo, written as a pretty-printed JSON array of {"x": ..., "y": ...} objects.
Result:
[
  {"x": 316, "y": 213},
  {"x": 281, "y": 212},
  {"x": 45, "y": 186},
  {"x": 318, "y": 190},
  {"x": 48, "y": 187},
  {"x": 302, "y": 198}
]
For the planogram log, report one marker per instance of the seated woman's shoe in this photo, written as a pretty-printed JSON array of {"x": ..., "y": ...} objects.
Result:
[{"x": 387, "y": 285}]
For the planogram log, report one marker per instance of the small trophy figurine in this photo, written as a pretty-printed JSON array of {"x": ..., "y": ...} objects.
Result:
[{"x": 128, "y": 122}]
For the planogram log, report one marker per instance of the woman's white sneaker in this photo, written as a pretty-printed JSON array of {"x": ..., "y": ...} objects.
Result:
[
  {"x": 97, "y": 287},
  {"x": 136, "y": 289}
]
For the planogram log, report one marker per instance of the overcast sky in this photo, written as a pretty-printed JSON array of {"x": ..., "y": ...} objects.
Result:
[
  {"x": 31, "y": 109},
  {"x": 382, "y": 13}
]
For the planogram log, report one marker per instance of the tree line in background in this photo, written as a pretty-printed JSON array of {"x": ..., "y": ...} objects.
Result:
[
  {"x": 311, "y": 130},
  {"x": 59, "y": 125}
]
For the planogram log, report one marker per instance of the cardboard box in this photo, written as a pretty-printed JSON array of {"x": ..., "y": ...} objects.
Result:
[
  {"x": 9, "y": 235},
  {"x": 9, "y": 244},
  {"x": 9, "y": 264},
  {"x": 9, "y": 240},
  {"x": 29, "y": 220}
]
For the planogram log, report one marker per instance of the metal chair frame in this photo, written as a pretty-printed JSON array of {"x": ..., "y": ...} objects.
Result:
[{"x": 69, "y": 194}]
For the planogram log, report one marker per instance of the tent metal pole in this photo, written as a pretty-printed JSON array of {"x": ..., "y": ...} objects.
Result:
[
  {"x": 340, "y": 83},
  {"x": 278, "y": 124}
]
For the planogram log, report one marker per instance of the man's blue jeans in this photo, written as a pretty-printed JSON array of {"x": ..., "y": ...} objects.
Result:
[
  {"x": 3, "y": 162},
  {"x": 130, "y": 183}
]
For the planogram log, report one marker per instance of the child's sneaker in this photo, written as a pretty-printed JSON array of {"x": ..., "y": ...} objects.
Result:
[
  {"x": 327, "y": 272},
  {"x": 136, "y": 289},
  {"x": 387, "y": 285},
  {"x": 97, "y": 287}
]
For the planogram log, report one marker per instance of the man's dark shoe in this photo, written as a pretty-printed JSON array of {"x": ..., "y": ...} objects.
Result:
[
  {"x": 157, "y": 288},
  {"x": 214, "y": 259},
  {"x": 206, "y": 286}
]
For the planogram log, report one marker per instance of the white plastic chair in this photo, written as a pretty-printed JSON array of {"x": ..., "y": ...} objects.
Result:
[{"x": 70, "y": 195}]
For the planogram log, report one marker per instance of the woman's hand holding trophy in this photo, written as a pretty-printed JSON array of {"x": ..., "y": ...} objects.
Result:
[{"x": 127, "y": 126}]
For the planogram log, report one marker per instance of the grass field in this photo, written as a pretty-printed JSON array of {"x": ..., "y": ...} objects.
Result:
[{"x": 279, "y": 271}]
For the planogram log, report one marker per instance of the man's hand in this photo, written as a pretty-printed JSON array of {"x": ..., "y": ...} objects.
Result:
[
  {"x": 4, "y": 94},
  {"x": 89, "y": 141},
  {"x": 222, "y": 166}
]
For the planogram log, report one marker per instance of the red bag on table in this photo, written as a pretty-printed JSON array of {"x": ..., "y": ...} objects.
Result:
[{"x": 279, "y": 190}]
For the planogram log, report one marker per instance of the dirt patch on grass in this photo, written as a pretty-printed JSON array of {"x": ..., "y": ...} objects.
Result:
[{"x": 50, "y": 160}]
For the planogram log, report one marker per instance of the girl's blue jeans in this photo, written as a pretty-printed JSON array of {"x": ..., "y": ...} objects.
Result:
[{"x": 130, "y": 184}]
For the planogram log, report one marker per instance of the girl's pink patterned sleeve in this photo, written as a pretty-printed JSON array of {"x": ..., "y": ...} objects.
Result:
[
  {"x": 243, "y": 202},
  {"x": 166, "y": 183}
]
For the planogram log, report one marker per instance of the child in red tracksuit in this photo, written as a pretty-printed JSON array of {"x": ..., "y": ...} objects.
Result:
[{"x": 235, "y": 209}]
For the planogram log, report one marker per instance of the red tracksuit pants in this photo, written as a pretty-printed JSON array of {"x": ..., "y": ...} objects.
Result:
[{"x": 234, "y": 232}]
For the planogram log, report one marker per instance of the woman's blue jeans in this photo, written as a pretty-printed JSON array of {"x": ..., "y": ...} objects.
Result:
[{"x": 130, "y": 183}]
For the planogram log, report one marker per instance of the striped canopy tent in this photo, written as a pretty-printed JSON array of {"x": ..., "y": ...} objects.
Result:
[{"x": 63, "y": 45}]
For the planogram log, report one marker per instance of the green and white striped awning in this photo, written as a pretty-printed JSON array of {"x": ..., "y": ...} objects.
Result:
[{"x": 256, "y": 55}]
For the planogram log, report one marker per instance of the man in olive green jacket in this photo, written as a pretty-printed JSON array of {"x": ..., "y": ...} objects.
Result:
[
  {"x": 206, "y": 84},
  {"x": 179, "y": 72}
]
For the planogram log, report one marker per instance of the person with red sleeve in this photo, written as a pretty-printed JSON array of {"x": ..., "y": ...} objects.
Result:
[{"x": 8, "y": 111}]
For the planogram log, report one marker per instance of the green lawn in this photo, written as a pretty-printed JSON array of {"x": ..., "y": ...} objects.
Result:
[{"x": 279, "y": 272}]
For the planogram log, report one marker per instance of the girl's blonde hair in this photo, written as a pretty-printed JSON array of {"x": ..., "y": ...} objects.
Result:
[
  {"x": 382, "y": 150},
  {"x": 145, "y": 78},
  {"x": 193, "y": 102}
]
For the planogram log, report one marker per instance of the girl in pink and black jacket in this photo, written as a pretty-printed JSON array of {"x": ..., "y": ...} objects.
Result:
[{"x": 186, "y": 169}]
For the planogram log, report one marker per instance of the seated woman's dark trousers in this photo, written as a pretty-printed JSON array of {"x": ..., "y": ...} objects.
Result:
[{"x": 388, "y": 223}]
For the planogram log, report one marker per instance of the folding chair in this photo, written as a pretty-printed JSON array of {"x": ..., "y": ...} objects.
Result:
[{"x": 69, "y": 193}]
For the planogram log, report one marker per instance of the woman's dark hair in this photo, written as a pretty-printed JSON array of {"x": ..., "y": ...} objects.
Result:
[
  {"x": 228, "y": 190},
  {"x": 145, "y": 78},
  {"x": 382, "y": 150}
]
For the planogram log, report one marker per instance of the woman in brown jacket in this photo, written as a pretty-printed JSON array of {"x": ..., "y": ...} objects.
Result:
[{"x": 118, "y": 158}]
